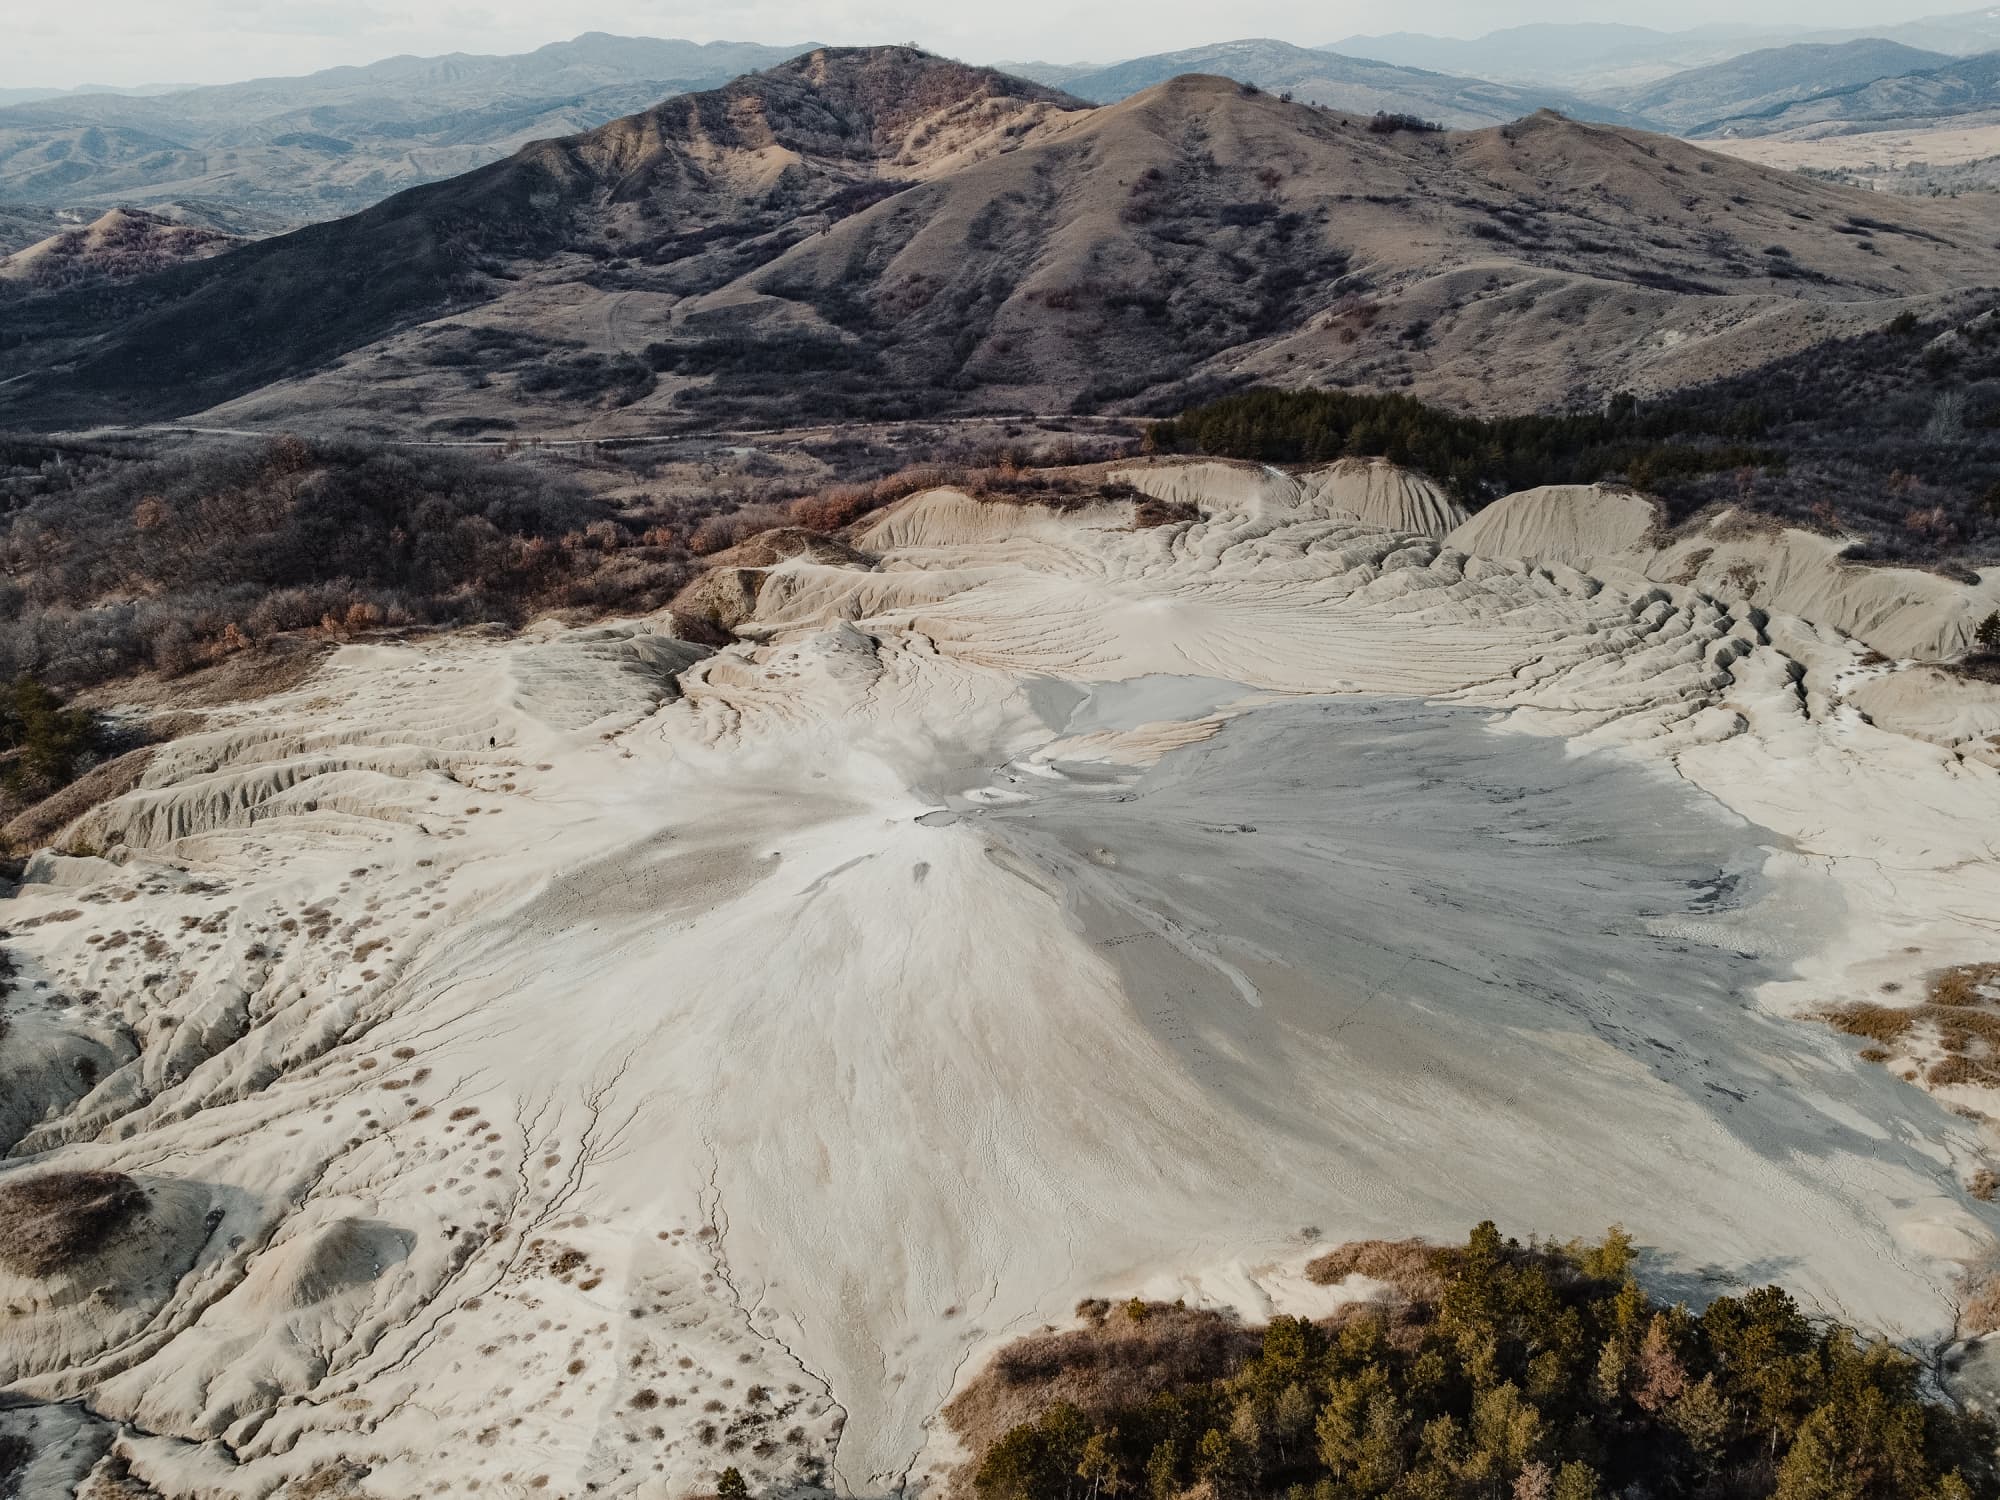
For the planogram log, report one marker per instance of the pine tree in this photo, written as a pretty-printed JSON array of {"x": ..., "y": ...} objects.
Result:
[
  {"x": 1099, "y": 1464},
  {"x": 1291, "y": 1418},
  {"x": 1702, "y": 1417},
  {"x": 1219, "y": 1462}
]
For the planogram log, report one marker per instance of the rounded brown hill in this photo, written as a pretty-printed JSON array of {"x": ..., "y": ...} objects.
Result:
[{"x": 119, "y": 245}]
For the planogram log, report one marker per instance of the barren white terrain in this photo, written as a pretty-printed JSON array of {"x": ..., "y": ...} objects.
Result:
[{"x": 573, "y": 1062}]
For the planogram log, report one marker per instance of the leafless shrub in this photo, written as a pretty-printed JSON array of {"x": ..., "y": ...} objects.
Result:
[
  {"x": 719, "y": 533},
  {"x": 212, "y": 550},
  {"x": 843, "y": 504}
]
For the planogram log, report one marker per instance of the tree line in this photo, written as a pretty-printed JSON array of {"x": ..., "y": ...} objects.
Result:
[
  {"x": 1890, "y": 438},
  {"x": 1521, "y": 1373},
  {"x": 1477, "y": 459}
]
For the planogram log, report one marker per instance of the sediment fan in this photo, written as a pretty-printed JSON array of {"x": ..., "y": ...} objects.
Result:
[{"x": 589, "y": 1050}]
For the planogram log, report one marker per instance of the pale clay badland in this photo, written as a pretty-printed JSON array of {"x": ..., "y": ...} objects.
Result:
[{"x": 551, "y": 1047}]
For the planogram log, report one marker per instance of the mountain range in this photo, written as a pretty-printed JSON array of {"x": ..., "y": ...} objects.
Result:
[
  {"x": 1964, "y": 89},
  {"x": 1774, "y": 78},
  {"x": 1357, "y": 85},
  {"x": 299, "y": 149},
  {"x": 878, "y": 231},
  {"x": 1590, "y": 54},
  {"x": 251, "y": 158},
  {"x": 1614, "y": 55}
]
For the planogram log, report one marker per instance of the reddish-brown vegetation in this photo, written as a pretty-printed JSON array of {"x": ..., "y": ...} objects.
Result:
[{"x": 1121, "y": 1358}]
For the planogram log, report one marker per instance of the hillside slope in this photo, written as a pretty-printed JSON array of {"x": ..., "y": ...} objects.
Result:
[
  {"x": 22, "y": 224},
  {"x": 1196, "y": 236},
  {"x": 1969, "y": 87},
  {"x": 1590, "y": 54},
  {"x": 1773, "y": 78},
  {"x": 1195, "y": 231},
  {"x": 1356, "y": 85}
]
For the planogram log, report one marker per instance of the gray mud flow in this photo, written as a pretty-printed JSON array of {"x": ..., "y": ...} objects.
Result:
[{"x": 1454, "y": 916}]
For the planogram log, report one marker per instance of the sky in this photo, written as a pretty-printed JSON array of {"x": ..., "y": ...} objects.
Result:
[{"x": 135, "y": 42}]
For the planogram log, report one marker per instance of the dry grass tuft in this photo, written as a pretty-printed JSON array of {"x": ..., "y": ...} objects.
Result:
[
  {"x": 1150, "y": 512},
  {"x": 332, "y": 1483},
  {"x": 1979, "y": 1301},
  {"x": 1412, "y": 1267},
  {"x": 51, "y": 1221},
  {"x": 1957, "y": 1024},
  {"x": 1967, "y": 985},
  {"x": 1881, "y": 1024},
  {"x": 1948, "y": 1072}
]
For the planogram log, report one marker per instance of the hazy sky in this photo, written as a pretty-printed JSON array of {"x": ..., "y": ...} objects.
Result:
[{"x": 216, "y": 41}]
